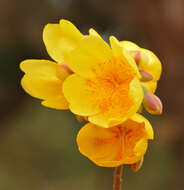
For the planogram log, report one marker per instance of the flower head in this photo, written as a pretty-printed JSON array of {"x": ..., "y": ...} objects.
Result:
[
  {"x": 104, "y": 86},
  {"x": 122, "y": 144},
  {"x": 43, "y": 79}
]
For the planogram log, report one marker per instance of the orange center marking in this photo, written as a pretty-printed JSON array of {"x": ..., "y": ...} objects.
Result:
[{"x": 111, "y": 86}]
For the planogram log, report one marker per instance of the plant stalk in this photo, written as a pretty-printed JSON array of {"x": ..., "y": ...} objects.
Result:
[{"x": 117, "y": 182}]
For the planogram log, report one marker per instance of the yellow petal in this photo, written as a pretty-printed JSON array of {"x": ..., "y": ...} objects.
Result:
[
  {"x": 94, "y": 33},
  {"x": 123, "y": 144},
  {"x": 40, "y": 86},
  {"x": 97, "y": 143},
  {"x": 60, "y": 39},
  {"x": 141, "y": 147},
  {"x": 137, "y": 166},
  {"x": 129, "y": 45},
  {"x": 41, "y": 81},
  {"x": 150, "y": 86},
  {"x": 110, "y": 119},
  {"x": 115, "y": 163},
  {"x": 43, "y": 68},
  {"x": 103, "y": 120},
  {"x": 153, "y": 65},
  {"x": 58, "y": 102},
  {"x": 148, "y": 62},
  {"x": 119, "y": 51},
  {"x": 91, "y": 50},
  {"x": 109, "y": 163},
  {"x": 116, "y": 46},
  {"x": 80, "y": 97},
  {"x": 140, "y": 119},
  {"x": 137, "y": 95}
]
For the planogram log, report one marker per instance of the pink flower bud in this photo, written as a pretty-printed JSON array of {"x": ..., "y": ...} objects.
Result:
[
  {"x": 145, "y": 76},
  {"x": 135, "y": 167},
  {"x": 65, "y": 66},
  {"x": 136, "y": 55},
  {"x": 63, "y": 71},
  {"x": 152, "y": 103}
]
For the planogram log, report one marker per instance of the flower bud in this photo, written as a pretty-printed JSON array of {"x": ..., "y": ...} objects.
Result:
[
  {"x": 135, "y": 167},
  {"x": 137, "y": 56},
  {"x": 63, "y": 71},
  {"x": 152, "y": 103},
  {"x": 65, "y": 66},
  {"x": 145, "y": 76}
]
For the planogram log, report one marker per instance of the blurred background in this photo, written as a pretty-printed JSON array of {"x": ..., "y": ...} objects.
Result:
[{"x": 37, "y": 145}]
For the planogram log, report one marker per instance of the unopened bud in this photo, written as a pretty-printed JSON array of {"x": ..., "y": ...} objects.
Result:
[
  {"x": 65, "y": 66},
  {"x": 63, "y": 71},
  {"x": 136, "y": 55},
  {"x": 152, "y": 103},
  {"x": 145, "y": 76},
  {"x": 135, "y": 167}
]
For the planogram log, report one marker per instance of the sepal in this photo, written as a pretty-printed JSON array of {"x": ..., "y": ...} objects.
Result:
[{"x": 135, "y": 167}]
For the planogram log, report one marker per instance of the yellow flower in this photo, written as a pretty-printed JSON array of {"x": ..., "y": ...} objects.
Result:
[
  {"x": 147, "y": 62},
  {"x": 105, "y": 85},
  {"x": 102, "y": 84},
  {"x": 122, "y": 144},
  {"x": 43, "y": 79}
]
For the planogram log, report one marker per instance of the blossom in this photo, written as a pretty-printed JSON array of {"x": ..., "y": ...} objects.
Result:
[
  {"x": 110, "y": 147},
  {"x": 43, "y": 79},
  {"x": 104, "y": 86},
  {"x": 148, "y": 64}
]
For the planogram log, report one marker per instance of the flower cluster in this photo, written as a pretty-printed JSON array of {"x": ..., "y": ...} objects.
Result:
[{"x": 105, "y": 85}]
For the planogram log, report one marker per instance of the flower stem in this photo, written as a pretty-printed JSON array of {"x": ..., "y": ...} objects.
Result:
[{"x": 118, "y": 171}]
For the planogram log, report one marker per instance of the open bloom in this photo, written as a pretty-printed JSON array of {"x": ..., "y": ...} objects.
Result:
[
  {"x": 123, "y": 144},
  {"x": 43, "y": 79},
  {"x": 105, "y": 86},
  {"x": 102, "y": 84}
]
